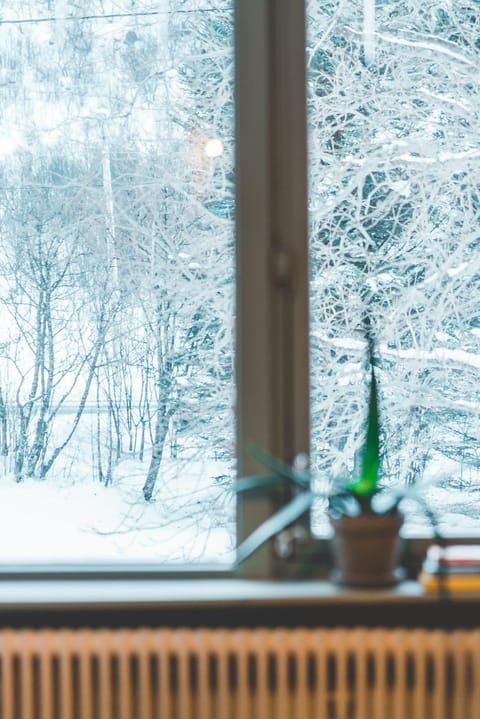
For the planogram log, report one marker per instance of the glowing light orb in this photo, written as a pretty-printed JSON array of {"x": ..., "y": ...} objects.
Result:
[{"x": 213, "y": 147}]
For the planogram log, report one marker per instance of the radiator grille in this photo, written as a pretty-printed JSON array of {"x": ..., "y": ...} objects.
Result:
[{"x": 239, "y": 674}]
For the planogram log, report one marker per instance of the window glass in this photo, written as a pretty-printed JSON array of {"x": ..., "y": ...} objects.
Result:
[
  {"x": 116, "y": 280},
  {"x": 394, "y": 103}
]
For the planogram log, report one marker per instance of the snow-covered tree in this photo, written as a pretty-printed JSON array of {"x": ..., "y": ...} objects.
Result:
[
  {"x": 394, "y": 109},
  {"x": 117, "y": 228}
]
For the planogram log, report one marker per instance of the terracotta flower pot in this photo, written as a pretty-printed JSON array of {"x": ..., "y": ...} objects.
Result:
[{"x": 366, "y": 549}]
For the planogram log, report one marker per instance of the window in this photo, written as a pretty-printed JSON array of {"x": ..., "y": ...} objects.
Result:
[
  {"x": 116, "y": 281},
  {"x": 272, "y": 286},
  {"x": 394, "y": 232},
  {"x": 393, "y": 225},
  {"x": 118, "y": 278}
]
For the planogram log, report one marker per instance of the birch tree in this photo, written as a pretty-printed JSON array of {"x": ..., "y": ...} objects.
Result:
[
  {"x": 44, "y": 268},
  {"x": 118, "y": 272}
]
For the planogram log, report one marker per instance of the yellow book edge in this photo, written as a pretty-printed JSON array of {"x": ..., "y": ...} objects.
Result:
[{"x": 451, "y": 582}]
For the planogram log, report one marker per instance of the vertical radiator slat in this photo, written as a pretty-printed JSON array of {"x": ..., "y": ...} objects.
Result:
[
  {"x": 183, "y": 652},
  {"x": 25, "y": 643},
  {"x": 299, "y": 646},
  {"x": 359, "y": 646},
  {"x": 84, "y": 694},
  {"x": 65, "y": 674},
  {"x": 340, "y": 649},
  {"x": 144, "y": 646},
  {"x": 223, "y": 696},
  {"x": 7, "y": 648},
  {"x": 260, "y": 646},
  {"x": 417, "y": 645},
  {"x": 203, "y": 706},
  {"x": 46, "y": 686},
  {"x": 164, "y": 686},
  {"x": 459, "y": 679},
  {"x": 279, "y": 647},
  {"x": 397, "y": 648},
  {"x": 103, "y": 652},
  {"x": 379, "y": 679},
  {"x": 473, "y": 644},
  {"x": 239, "y": 650},
  {"x": 333, "y": 676},
  {"x": 320, "y": 652},
  {"x": 439, "y": 698},
  {"x": 122, "y": 652}
]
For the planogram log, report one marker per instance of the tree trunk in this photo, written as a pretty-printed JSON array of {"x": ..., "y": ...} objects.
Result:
[
  {"x": 45, "y": 350},
  {"x": 3, "y": 427},
  {"x": 161, "y": 429},
  {"x": 93, "y": 360}
]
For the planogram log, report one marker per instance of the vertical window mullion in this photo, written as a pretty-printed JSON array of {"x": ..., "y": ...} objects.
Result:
[{"x": 272, "y": 286}]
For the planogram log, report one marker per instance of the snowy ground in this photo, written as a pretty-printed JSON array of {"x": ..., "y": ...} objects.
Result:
[
  {"x": 71, "y": 517},
  {"x": 191, "y": 518}
]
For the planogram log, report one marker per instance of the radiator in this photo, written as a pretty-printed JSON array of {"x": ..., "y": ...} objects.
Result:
[{"x": 239, "y": 674}]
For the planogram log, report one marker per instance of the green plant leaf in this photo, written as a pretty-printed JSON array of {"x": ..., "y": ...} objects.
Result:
[
  {"x": 366, "y": 485},
  {"x": 260, "y": 481},
  {"x": 276, "y": 523},
  {"x": 279, "y": 467}
]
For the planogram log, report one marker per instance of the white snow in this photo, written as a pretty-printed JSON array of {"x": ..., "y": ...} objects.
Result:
[
  {"x": 437, "y": 354},
  {"x": 80, "y": 520}
]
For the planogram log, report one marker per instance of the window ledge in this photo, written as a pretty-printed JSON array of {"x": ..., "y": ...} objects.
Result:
[{"x": 203, "y": 593}]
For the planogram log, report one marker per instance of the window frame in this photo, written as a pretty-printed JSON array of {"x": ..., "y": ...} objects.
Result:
[
  {"x": 272, "y": 266},
  {"x": 272, "y": 304},
  {"x": 272, "y": 277},
  {"x": 272, "y": 249}
]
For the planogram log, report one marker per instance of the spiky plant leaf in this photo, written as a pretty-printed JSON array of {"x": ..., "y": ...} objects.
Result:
[
  {"x": 366, "y": 485},
  {"x": 280, "y": 468},
  {"x": 285, "y": 516}
]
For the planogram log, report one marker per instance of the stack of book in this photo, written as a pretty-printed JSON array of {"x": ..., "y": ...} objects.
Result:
[{"x": 455, "y": 568}]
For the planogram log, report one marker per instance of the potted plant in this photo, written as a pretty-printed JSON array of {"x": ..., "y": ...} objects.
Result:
[
  {"x": 365, "y": 516},
  {"x": 366, "y": 538}
]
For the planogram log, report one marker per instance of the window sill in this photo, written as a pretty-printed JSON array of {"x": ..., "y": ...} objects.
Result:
[
  {"x": 225, "y": 602},
  {"x": 192, "y": 593}
]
